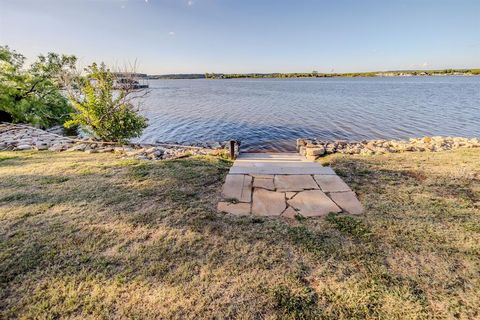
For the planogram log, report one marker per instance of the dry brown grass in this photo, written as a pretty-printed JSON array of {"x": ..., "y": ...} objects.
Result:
[{"x": 92, "y": 236}]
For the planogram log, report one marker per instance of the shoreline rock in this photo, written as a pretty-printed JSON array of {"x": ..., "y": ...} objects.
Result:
[
  {"x": 314, "y": 148},
  {"x": 23, "y": 137},
  {"x": 19, "y": 137}
]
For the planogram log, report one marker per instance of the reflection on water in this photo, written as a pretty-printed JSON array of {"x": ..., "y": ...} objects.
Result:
[{"x": 270, "y": 114}]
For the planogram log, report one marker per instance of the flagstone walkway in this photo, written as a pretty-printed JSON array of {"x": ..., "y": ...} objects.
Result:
[{"x": 284, "y": 184}]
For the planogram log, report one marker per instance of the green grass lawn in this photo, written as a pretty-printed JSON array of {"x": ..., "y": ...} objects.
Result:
[{"x": 92, "y": 236}]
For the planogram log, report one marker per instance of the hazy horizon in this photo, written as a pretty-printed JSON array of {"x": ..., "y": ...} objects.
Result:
[{"x": 200, "y": 36}]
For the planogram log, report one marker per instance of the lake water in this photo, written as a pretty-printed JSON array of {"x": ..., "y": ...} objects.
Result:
[{"x": 269, "y": 114}]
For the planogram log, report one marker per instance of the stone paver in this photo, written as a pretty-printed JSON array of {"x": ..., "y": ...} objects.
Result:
[
  {"x": 289, "y": 213},
  {"x": 268, "y": 203},
  {"x": 265, "y": 183},
  {"x": 285, "y": 183},
  {"x": 347, "y": 201},
  {"x": 330, "y": 183},
  {"x": 313, "y": 203},
  {"x": 240, "y": 209},
  {"x": 290, "y": 195},
  {"x": 237, "y": 187}
]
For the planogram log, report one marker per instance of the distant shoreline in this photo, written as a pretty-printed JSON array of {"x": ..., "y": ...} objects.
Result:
[{"x": 314, "y": 74}]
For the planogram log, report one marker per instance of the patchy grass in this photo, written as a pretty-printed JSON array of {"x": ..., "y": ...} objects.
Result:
[
  {"x": 296, "y": 305},
  {"x": 93, "y": 236},
  {"x": 349, "y": 225},
  {"x": 4, "y": 159}
]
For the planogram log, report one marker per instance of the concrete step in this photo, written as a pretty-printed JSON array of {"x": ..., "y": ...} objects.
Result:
[
  {"x": 277, "y": 163},
  {"x": 271, "y": 157}
]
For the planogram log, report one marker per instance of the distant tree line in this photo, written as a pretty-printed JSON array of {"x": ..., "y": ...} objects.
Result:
[
  {"x": 178, "y": 76},
  {"x": 315, "y": 74}
]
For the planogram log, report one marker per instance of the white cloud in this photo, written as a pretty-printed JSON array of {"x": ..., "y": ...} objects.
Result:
[
  {"x": 171, "y": 33},
  {"x": 425, "y": 64},
  {"x": 190, "y": 3}
]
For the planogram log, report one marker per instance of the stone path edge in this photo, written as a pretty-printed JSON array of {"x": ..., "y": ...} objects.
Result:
[{"x": 345, "y": 204}]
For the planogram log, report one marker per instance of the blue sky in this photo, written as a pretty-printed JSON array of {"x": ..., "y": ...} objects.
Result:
[{"x": 183, "y": 36}]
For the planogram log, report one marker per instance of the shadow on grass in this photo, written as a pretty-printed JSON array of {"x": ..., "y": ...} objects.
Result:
[{"x": 140, "y": 232}]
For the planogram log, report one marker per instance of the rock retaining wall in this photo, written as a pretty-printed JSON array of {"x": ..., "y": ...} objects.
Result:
[
  {"x": 313, "y": 148},
  {"x": 23, "y": 137}
]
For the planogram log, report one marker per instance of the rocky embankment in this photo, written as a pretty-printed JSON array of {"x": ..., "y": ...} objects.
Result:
[
  {"x": 313, "y": 148},
  {"x": 23, "y": 137}
]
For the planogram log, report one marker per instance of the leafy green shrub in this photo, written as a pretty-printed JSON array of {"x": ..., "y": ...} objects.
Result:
[
  {"x": 104, "y": 111},
  {"x": 34, "y": 95}
]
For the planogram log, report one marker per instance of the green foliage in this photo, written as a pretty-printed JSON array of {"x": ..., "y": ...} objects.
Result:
[
  {"x": 33, "y": 95},
  {"x": 475, "y": 71},
  {"x": 104, "y": 111}
]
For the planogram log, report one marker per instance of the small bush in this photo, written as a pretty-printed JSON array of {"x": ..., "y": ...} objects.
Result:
[{"x": 102, "y": 110}]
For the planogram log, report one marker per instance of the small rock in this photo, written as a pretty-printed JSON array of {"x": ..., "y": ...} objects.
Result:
[
  {"x": 330, "y": 148},
  {"x": 151, "y": 150},
  {"x": 57, "y": 147},
  {"x": 42, "y": 147},
  {"x": 135, "y": 152},
  {"x": 105, "y": 150},
  {"x": 301, "y": 142},
  {"x": 317, "y": 151},
  {"x": 23, "y": 147},
  {"x": 302, "y": 150},
  {"x": 215, "y": 145},
  {"x": 78, "y": 147}
]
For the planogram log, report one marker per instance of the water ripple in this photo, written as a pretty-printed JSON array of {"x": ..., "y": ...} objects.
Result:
[{"x": 269, "y": 114}]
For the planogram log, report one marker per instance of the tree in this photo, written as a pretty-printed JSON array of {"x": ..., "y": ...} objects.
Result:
[
  {"x": 33, "y": 95},
  {"x": 104, "y": 109}
]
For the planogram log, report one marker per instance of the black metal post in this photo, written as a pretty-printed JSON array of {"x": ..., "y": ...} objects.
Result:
[{"x": 232, "y": 149}]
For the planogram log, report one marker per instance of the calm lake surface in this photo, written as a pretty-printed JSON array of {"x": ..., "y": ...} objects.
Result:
[{"x": 269, "y": 114}]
